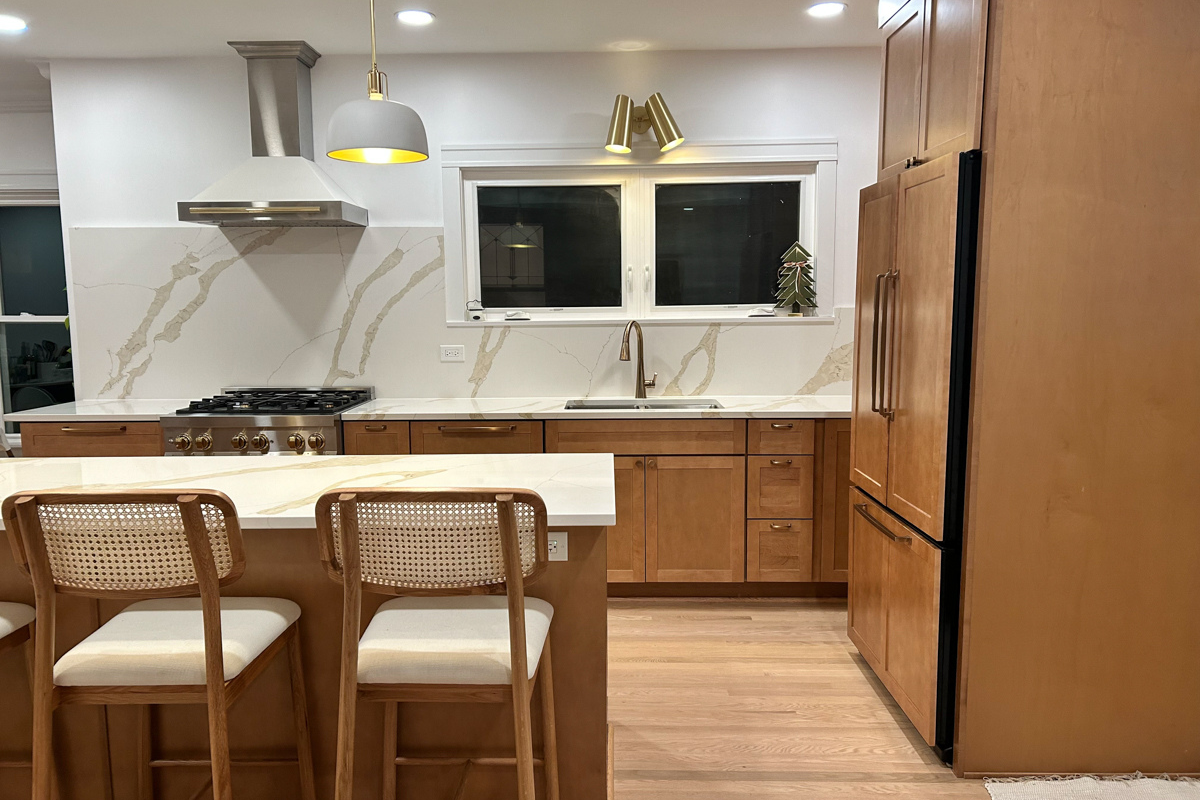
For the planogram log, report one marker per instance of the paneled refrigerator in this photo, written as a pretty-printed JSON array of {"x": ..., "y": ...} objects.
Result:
[{"x": 914, "y": 317}]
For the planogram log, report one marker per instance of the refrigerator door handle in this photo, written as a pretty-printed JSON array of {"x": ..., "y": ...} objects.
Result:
[
  {"x": 876, "y": 405},
  {"x": 889, "y": 355},
  {"x": 861, "y": 510}
]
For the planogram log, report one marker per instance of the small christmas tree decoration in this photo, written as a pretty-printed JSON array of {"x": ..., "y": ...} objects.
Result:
[{"x": 797, "y": 287}]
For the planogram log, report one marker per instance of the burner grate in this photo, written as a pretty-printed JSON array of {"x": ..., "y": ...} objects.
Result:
[{"x": 279, "y": 401}]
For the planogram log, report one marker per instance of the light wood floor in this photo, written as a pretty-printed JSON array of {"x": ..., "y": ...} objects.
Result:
[{"x": 726, "y": 699}]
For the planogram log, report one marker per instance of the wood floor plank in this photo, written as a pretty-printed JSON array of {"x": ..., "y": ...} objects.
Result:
[{"x": 733, "y": 698}]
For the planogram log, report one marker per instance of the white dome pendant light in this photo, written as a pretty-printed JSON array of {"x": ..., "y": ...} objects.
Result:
[{"x": 376, "y": 130}]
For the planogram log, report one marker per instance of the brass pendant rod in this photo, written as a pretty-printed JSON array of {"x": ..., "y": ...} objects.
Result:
[{"x": 374, "y": 59}]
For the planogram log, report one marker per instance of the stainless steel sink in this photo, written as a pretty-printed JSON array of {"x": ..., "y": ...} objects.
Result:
[{"x": 643, "y": 404}]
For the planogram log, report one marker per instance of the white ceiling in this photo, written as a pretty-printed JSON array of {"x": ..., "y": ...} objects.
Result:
[{"x": 149, "y": 28}]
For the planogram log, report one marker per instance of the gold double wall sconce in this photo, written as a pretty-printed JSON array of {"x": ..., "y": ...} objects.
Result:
[{"x": 627, "y": 120}]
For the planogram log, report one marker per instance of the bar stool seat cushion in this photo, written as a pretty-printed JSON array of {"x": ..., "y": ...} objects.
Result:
[
  {"x": 13, "y": 617},
  {"x": 161, "y": 642},
  {"x": 448, "y": 640}
]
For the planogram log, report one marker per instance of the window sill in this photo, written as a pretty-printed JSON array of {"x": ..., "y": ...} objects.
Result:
[{"x": 572, "y": 321}]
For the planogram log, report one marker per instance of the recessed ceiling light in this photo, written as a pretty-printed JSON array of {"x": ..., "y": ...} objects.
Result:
[
  {"x": 826, "y": 10},
  {"x": 9, "y": 24},
  {"x": 629, "y": 46},
  {"x": 415, "y": 17}
]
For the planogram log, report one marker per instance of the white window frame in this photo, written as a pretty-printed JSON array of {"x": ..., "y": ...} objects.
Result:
[{"x": 464, "y": 168}]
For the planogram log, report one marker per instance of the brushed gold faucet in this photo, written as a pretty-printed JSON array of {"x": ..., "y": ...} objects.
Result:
[{"x": 639, "y": 388}]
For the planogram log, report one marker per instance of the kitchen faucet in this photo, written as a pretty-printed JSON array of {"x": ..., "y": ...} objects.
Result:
[{"x": 639, "y": 388}]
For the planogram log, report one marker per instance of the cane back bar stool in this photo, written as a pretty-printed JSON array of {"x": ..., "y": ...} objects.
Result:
[
  {"x": 448, "y": 637},
  {"x": 161, "y": 548}
]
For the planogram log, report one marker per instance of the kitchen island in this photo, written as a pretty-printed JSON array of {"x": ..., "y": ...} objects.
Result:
[{"x": 275, "y": 498}]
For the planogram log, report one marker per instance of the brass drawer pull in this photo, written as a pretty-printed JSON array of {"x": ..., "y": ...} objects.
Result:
[
  {"x": 861, "y": 509},
  {"x": 781, "y": 462},
  {"x": 94, "y": 431},
  {"x": 477, "y": 429},
  {"x": 777, "y": 527},
  {"x": 375, "y": 428},
  {"x": 782, "y": 426}
]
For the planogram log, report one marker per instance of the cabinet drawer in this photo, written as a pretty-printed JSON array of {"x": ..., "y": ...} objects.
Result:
[
  {"x": 375, "y": 438},
  {"x": 475, "y": 436},
  {"x": 779, "y": 550},
  {"x": 779, "y": 487},
  {"x": 647, "y": 437},
  {"x": 52, "y": 439},
  {"x": 786, "y": 436}
]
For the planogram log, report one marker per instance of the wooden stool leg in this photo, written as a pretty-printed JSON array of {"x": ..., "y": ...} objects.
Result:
[
  {"x": 391, "y": 715},
  {"x": 304, "y": 757},
  {"x": 218, "y": 743},
  {"x": 523, "y": 728},
  {"x": 549, "y": 729},
  {"x": 41, "y": 679},
  {"x": 145, "y": 753}
]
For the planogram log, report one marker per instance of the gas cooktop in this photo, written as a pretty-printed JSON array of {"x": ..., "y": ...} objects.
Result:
[{"x": 257, "y": 402}]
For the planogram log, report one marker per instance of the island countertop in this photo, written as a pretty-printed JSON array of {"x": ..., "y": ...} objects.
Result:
[{"x": 282, "y": 491}]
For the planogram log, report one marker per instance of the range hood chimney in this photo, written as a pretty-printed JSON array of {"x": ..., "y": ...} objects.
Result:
[{"x": 279, "y": 185}]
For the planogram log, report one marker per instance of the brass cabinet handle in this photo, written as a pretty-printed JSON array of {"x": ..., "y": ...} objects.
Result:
[
  {"x": 94, "y": 431},
  {"x": 777, "y": 527},
  {"x": 375, "y": 428},
  {"x": 477, "y": 428},
  {"x": 651, "y": 463},
  {"x": 875, "y": 328},
  {"x": 638, "y": 464},
  {"x": 889, "y": 365},
  {"x": 861, "y": 509},
  {"x": 782, "y": 426},
  {"x": 781, "y": 462}
]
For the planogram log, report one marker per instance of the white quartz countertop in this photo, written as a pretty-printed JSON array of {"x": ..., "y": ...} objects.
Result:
[
  {"x": 100, "y": 411},
  {"x": 817, "y": 406},
  {"x": 733, "y": 407},
  {"x": 282, "y": 491}
]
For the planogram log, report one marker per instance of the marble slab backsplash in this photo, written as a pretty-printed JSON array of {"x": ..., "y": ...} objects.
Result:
[{"x": 184, "y": 311}]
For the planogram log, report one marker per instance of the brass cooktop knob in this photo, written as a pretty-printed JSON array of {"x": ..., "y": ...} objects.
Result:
[
  {"x": 316, "y": 441},
  {"x": 204, "y": 442},
  {"x": 260, "y": 442},
  {"x": 183, "y": 442},
  {"x": 296, "y": 442},
  {"x": 239, "y": 441}
]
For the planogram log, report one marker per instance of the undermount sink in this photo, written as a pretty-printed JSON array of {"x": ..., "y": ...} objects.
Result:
[{"x": 646, "y": 404}]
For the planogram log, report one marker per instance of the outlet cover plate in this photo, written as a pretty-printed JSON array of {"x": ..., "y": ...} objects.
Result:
[
  {"x": 453, "y": 352},
  {"x": 557, "y": 541}
]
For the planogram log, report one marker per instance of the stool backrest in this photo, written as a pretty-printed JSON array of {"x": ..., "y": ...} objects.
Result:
[
  {"x": 125, "y": 544},
  {"x": 434, "y": 541}
]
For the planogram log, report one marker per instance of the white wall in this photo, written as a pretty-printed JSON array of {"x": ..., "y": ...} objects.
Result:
[
  {"x": 26, "y": 148},
  {"x": 136, "y": 137}
]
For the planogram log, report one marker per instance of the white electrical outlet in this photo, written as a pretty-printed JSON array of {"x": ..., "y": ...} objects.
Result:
[
  {"x": 453, "y": 352},
  {"x": 558, "y": 545}
]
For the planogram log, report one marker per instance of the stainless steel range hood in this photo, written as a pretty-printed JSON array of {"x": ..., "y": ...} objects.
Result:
[{"x": 279, "y": 185}]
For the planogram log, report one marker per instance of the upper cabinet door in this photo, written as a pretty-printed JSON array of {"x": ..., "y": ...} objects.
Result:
[
  {"x": 951, "y": 104},
  {"x": 917, "y": 379},
  {"x": 900, "y": 102},
  {"x": 876, "y": 257}
]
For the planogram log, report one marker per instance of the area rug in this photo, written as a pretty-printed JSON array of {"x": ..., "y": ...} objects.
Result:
[{"x": 1131, "y": 788}]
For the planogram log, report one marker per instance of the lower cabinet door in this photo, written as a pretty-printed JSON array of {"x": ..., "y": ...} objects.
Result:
[
  {"x": 779, "y": 550},
  {"x": 895, "y": 592},
  {"x": 627, "y": 538},
  {"x": 375, "y": 438},
  {"x": 914, "y": 577},
  {"x": 869, "y": 548},
  {"x": 695, "y": 519}
]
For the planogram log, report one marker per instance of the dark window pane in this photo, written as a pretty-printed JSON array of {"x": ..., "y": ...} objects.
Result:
[
  {"x": 550, "y": 246},
  {"x": 39, "y": 366},
  {"x": 32, "y": 268},
  {"x": 720, "y": 243}
]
